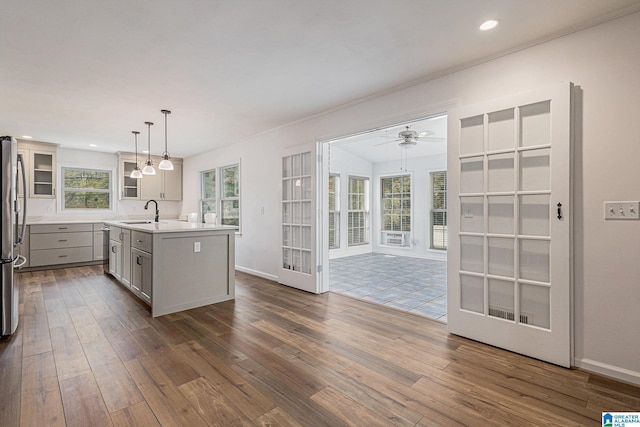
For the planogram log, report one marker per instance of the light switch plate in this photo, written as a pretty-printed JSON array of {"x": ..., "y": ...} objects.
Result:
[
  {"x": 621, "y": 210},
  {"x": 196, "y": 246}
]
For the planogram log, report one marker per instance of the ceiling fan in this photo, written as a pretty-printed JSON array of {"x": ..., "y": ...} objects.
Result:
[{"x": 409, "y": 137}]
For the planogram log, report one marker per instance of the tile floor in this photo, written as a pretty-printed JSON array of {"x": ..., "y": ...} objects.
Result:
[{"x": 411, "y": 284}]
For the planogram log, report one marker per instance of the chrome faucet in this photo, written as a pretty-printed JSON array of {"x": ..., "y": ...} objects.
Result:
[{"x": 146, "y": 206}]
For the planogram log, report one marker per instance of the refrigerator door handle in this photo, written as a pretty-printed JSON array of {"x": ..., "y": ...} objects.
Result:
[
  {"x": 24, "y": 198},
  {"x": 24, "y": 261}
]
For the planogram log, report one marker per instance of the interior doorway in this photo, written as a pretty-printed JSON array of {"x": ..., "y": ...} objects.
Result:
[{"x": 387, "y": 216}]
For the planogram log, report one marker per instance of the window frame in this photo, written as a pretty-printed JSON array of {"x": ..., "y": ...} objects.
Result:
[
  {"x": 401, "y": 199},
  {"x": 64, "y": 189},
  {"x": 222, "y": 197},
  {"x": 366, "y": 212},
  {"x": 219, "y": 191},
  {"x": 335, "y": 212},
  {"x": 203, "y": 199},
  {"x": 433, "y": 211}
]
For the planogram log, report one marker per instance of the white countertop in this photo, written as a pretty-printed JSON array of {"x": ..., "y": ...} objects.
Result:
[{"x": 174, "y": 226}]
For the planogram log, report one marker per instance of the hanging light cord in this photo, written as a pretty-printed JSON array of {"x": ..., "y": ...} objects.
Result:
[
  {"x": 165, "y": 112},
  {"x": 148, "y": 141},
  {"x": 135, "y": 134}
]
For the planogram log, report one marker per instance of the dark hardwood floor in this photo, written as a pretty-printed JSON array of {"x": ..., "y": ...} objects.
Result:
[{"x": 87, "y": 353}]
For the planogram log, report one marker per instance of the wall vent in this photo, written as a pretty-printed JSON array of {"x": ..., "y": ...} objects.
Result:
[
  {"x": 508, "y": 314},
  {"x": 394, "y": 239}
]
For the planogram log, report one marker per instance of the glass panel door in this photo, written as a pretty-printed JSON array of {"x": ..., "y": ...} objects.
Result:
[
  {"x": 509, "y": 282},
  {"x": 297, "y": 237}
]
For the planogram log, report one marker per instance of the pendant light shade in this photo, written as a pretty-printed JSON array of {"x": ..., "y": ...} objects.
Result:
[
  {"x": 135, "y": 173},
  {"x": 165, "y": 164},
  {"x": 148, "y": 169}
]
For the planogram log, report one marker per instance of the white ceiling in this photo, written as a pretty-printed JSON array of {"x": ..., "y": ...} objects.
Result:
[
  {"x": 91, "y": 71},
  {"x": 382, "y": 145}
]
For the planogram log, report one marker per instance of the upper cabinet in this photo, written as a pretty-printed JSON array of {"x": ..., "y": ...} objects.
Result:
[
  {"x": 41, "y": 165},
  {"x": 129, "y": 187},
  {"x": 164, "y": 185}
]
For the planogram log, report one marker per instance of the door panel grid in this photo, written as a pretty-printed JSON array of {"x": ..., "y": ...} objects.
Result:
[
  {"x": 296, "y": 213},
  {"x": 511, "y": 285}
]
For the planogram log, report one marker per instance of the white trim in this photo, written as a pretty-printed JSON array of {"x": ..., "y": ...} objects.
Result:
[
  {"x": 257, "y": 273},
  {"x": 609, "y": 370}
]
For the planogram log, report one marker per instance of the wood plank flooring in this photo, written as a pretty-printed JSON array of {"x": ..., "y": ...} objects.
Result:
[{"x": 87, "y": 353}]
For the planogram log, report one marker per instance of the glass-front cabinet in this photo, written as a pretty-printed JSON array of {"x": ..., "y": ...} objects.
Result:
[
  {"x": 40, "y": 160},
  {"x": 130, "y": 187}
]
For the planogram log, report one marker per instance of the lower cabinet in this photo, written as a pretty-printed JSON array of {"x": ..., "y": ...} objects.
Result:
[
  {"x": 141, "y": 282},
  {"x": 115, "y": 259},
  {"x": 62, "y": 243},
  {"x": 54, "y": 244},
  {"x": 120, "y": 254}
]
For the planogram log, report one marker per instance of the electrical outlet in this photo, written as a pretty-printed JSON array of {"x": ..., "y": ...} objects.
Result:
[
  {"x": 621, "y": 210},
  {"x": 196, "y": 246}
]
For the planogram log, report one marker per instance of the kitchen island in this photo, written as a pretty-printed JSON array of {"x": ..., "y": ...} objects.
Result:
[{"x": 173, "y": 265}]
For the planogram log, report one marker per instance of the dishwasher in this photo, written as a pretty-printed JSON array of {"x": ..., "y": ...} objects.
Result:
[{"x": 105, "y": 248}]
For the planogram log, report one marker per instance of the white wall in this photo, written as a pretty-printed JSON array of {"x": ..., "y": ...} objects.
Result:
[
  {"x": 51, "y": 209},
  {"x": 346, "y": 164},
  {"x": 604, "y": 61}
]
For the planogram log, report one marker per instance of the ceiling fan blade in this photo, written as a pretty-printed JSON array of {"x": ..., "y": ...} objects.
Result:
[
  {"x": 386, "y": 142},
  {"x": 431, "y": 138}
]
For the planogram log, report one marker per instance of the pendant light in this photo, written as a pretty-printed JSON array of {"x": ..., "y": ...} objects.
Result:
[
  {"x": 148, "y": 169},
  {"x": 135, "y": 173},
  {"x": 165, "y": 164}
]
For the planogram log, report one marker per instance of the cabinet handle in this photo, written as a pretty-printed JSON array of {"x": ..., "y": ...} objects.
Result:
[
  {"x": 139, "y": 241},
  {"x": 113, "y": 249},
  {"x": 62, "y": 256},
  {"x": 62, "y": 228},
  {"x": 138, "y": 260},
  {"x": 62, "y": 240}
]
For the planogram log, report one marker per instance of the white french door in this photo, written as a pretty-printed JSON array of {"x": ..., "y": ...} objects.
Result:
[
  {"x": 299, "y": 225},
  {"x": 509, "y": 257}
]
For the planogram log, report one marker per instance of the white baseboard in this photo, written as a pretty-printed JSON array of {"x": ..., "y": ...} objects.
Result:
[
  {"x": 257, "y": 273},
  {"x": 609, "y": 370}
]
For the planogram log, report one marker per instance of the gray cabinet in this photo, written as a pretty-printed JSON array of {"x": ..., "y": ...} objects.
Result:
[
  {"x": 164, "y": 185},
  {"x": 55, "y": 244},
  {"x": 40, "y": 162},
  {"x": 120, "y": 254},
  {"x": 141, "y": 265},
  {"x": 115, "y": 259},
  {"x": 141, "y": 270},
  {"x": 129, "y": 187},
  {"x": 98, "y": 240}
]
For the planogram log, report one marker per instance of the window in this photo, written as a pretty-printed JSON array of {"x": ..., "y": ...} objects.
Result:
[
  {"x": 220, "y": 194},
  {"x": 208, "y": 188},
  {"x": 334, "y": 211},
  {"x": 396, "y": 203},
  {"x": 230, "y": 197},
  {"x": 86, "y": 189},
  {"x": 439, "y": 210},
  {"x": 358, "y": 212}
]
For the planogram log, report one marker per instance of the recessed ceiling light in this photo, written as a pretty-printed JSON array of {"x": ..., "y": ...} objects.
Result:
[
  {"x": 92, "y": 145},
  {"x": 27, "y": 136},
  {"x": 489, "y": 25}
]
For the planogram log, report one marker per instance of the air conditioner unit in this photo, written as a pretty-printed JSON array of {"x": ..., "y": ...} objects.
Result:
[{"x": 393, "y": 239}]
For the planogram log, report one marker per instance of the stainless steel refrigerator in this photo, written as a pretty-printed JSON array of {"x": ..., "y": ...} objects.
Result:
[{"x": 13, "y": 213}]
